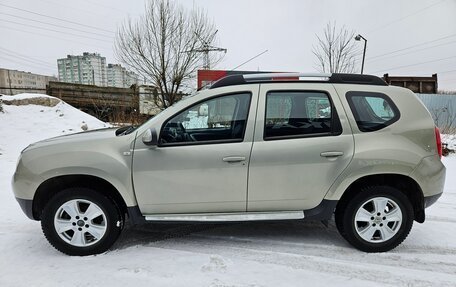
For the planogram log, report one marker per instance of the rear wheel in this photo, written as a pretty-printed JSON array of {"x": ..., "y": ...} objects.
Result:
[
  {"x": 377, "y": 219},
  {"x": 80, "y": 221}
]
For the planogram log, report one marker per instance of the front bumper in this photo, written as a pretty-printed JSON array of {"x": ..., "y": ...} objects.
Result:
[{"x": 27, "y": 207}]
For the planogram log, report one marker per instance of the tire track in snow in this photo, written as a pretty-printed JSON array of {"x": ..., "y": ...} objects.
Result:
[{"x": 322, "y": 259}]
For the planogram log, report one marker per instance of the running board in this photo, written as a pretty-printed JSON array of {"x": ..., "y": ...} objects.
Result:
[{"x": 223, "y": 217}]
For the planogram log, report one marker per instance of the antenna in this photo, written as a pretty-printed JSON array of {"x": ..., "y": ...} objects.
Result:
[
  {"x": 254, "y": 57},
  {"x": 206, "y": 48}
]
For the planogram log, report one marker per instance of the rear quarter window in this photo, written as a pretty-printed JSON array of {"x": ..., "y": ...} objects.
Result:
[{"x": 372, "y": 111}]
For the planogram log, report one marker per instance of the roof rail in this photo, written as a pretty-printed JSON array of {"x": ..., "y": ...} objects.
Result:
[
  {"x": 334, "y": 78},
  {"x": 280, "y": 76}
]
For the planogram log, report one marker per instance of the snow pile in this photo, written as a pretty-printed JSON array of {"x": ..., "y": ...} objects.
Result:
[
  {"x": 24, "y": 96},
  {"x": 450, "y": 140},
  {"x": 21, "y": 125},
  {"x": 30, "y": 99},
  {"x": 288, "y": 253}
]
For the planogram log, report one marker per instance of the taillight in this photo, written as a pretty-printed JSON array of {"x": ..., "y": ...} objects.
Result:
[{"x": 438, "y": 141}]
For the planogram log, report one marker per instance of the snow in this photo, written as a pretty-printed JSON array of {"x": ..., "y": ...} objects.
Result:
[
  {"x": 292, "y": 253},
  {"x": 450, "y": 140},
  {"x": 24, "y": 96}
]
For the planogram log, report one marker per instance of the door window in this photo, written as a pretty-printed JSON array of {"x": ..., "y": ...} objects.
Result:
[
  {"x": 298, "y": 114},
  {"x": 221, "y": 119}
]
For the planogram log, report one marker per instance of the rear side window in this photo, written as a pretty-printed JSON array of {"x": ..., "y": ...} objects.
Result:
[
  {"x": 291, "y": 114},
  {"x": 372, "y": 111}
]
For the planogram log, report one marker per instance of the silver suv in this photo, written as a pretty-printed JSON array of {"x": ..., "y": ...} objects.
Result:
[{"x": 252, "y": 147}]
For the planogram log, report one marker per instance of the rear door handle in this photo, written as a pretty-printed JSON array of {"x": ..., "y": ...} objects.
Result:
[
  {"x": 331, "y": 154},
  {"x": 234, "y": 158}
]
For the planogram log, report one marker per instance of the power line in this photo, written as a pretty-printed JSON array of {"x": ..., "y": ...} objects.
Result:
[
  {"x": 59, "y": 26},
  {"x": 413, "y": 46},
  {"x": 17, "y": 55},
  {"x": 49, "y": 36},
  {"x": 392, "y": 56},
  {"x": 445, "y": 72},
  {"x": 22, "y": 55},
  {"x": 106, "y": 7},
  {"x": 56, "y": 18},
  {"x": 406, "y": 16},
  {"x": 25, "y": 63},
  {"x": 416, "y": 64},
  {"x": 52, "y": 30},
  {"x": 70, "y": 7}
]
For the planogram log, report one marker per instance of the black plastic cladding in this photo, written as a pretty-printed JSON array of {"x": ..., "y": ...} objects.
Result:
[{"x": 333, "y": 79}]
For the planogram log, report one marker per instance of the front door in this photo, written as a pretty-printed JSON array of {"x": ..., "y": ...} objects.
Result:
[
  {"x": 201, "y": 162},
  {"x": 303, "y": 142}
]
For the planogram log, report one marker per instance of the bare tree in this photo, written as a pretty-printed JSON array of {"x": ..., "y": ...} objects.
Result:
[
  {"x": 335, "y": 50},
  {"x": 164, "y": 46},
  {"x": 444, "y": 118}
]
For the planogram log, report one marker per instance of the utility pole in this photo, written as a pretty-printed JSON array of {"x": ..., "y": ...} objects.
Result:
[
  {"x": 9, "y": 81},
  {"x": 206, "y": 48}
]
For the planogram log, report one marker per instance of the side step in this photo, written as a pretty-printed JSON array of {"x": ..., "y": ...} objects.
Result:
[{"x": 223, "y": 217}]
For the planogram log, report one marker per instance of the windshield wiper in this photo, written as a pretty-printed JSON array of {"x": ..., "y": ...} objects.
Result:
[{"x": 125, "y": 130}]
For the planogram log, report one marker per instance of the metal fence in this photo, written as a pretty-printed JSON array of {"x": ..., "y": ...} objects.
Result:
[{"x": 442, "y": 108}]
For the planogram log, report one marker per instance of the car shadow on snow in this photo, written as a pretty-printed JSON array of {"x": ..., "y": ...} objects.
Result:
[{"x": 274, "y": 232}]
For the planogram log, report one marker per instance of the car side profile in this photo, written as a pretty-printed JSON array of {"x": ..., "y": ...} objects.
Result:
[{"x": 252, "y": 147}]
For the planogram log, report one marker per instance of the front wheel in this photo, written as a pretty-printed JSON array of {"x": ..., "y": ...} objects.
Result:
[
  {"x": 80, "y": 221},
  {"x": 377, "y": 219}
]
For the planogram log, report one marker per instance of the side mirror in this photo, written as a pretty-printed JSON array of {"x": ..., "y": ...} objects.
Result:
[{"x": 150, "y": 137}]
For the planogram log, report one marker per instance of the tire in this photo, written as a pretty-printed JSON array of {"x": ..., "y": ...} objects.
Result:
[
  {"x": 377, "y": 219},
  {"x": 80, "y": 222}
]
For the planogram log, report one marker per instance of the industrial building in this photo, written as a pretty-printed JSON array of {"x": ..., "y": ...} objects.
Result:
[{"x": 422, "y": 85}]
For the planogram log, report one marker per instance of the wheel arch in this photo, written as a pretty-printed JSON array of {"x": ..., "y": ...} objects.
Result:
[
  {"x": 405, "y": 184},
  {"x": 52, "y": 186}
]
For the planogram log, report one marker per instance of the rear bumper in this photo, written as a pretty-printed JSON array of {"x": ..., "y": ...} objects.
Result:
[
  {"x": 430, "y": 176},
  {"x": 27, "y": 207},
  {"x": 430, "y": 200}
]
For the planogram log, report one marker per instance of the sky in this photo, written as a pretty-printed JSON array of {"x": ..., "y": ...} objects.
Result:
[{"x": 404, "y": 37}]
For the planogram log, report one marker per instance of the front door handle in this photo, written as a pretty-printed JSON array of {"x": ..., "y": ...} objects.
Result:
[
  {"x": 234, "y": 158},
  {"x": 331, "y": 154}
]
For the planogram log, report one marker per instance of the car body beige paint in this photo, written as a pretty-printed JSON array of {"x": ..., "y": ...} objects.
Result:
[
  {"x": 194, "y": 178},
  {"x": 407, "y": 147},
  {"x": 97, "y": 153},
  {"x": 396, "y": 149},
  {"x": 291, "y": 174}
]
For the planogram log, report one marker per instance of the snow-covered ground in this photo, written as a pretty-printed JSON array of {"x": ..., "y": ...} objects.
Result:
[{"x": 242, "y": 254}]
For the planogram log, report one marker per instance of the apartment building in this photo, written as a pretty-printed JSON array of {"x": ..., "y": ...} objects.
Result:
[
  {"x": 14, "y": 82},
  {"x": 119, "y": 77},
  {"x": 88, "y": 69}
]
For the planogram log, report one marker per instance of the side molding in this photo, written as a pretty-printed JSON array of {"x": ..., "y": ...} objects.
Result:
[{"x": 228, "y": 217}]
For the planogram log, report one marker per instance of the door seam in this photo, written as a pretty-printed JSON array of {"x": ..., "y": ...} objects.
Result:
[{"x": 251, "y": 149}]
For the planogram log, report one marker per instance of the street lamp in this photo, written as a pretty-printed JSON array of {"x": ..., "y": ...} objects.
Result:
[{"x": 358, "y": 38}]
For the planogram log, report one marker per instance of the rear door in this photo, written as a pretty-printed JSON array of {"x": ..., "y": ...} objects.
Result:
[{"x": 302, "y": 143}]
